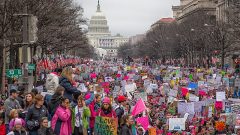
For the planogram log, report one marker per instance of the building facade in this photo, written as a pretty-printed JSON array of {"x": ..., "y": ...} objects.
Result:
[
  {"x": 133, "y": 40},
  {"x": 100, "y": 37},
  {"x": 190, "y": 7}
]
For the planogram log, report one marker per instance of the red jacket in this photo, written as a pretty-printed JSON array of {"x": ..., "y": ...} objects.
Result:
[{"x": 2, "y": 129}]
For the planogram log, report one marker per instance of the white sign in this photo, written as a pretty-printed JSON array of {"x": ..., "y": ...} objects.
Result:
[
  {"x": 220, "y": 96},
  {"x": 177, "y": 124},
  {"x": 193, "y": 98},
  {"x": 173, "y": 93},
  {"x": 142, "y": 95}
]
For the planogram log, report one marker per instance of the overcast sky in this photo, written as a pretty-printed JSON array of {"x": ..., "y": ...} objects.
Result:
[{"x": 130, "y": 17}]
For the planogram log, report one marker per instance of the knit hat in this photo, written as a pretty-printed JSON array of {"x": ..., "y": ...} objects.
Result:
[
  {"x": 121, "y": 98},
  {"x": 87, "y": 96},
  {"x": 106, "y": 100},
  {"x": 17, "y": 121}
]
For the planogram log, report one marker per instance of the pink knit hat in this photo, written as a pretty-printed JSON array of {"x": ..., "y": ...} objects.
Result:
[
  {"x": 87, "y": 96},
  {"x": 106, "y": 100},
  {"x": 17, "y": 121}
]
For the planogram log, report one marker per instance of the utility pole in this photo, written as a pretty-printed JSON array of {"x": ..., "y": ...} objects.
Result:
[{"x": 25, "y": 48}]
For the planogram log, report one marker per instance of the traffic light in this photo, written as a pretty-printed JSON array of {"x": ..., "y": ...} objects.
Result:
[{"x": 32, "y": 29}]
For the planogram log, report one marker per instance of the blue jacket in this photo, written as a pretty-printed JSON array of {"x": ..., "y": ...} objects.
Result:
[{"x": 69, "y": 88}]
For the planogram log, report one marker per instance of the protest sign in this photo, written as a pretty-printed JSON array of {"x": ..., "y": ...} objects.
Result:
[
  {"x": 130, "y": 87},
  {"x": 184, "y": 108},
  {"x": 173, "y": 93},
  {"x": 237, "y": 122},
  {"x": 200, "y": 83},
  {"x": 235, "y": 108},
  {"x": 152, "y": 131},
  {"x": 192, "y": 85},
  {"x": 220, "y": 96},
  {"x": 105, "y": 126},
  {"x": 143, "y": 121},
  {"x": 176, "y": 124},
  {"x": 193, "y": 98},
  {"x": 237, "y": 82},
  {"x": 140, "y": 95}
]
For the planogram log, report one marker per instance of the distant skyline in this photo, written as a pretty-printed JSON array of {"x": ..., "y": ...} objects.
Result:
[{"x": 130, "y": 17}]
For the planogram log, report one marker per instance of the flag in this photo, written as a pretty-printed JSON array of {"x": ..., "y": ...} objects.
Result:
[
  {"x": 143, "y": 121},
  {"x": 139, "y": 107}
]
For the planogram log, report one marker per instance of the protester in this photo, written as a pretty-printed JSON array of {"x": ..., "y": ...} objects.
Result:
[
  {"x": 18, "y": 128},
  {"x": 28, "y": 101},
  {"x": 11, "y": 103},
  {"x": 55, "y": 100},
  {"x": 126, "y": 126},
  {"x": 80, "y": 116},
  {"x": 61, "y": 121},
  {"x": 2, "y": 125},
  {"x": 106, "y": 109},
  {"x": 35, "y": 114},
  {"x": 66, "y": 81},
  {"x": 44, "y": 129}
]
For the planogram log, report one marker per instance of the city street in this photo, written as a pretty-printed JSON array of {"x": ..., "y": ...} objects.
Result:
[{"x": 105, "y": 67}]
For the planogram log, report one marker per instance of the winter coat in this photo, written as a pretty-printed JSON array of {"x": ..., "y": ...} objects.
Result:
[
  {"x": 10, "y": 104},
  {"x": 11, "y": 123},
  {"x": 94, "y": 107},
  {"x": 18, "y": 133},
  {"x": 69, "y": 88},
  {"x": 119, "y": 112},
  {"x": 103, "y": 113},
  {"x": 86, "y": 115},
  {"x": 125, "y": 130},
  {"x": 54, "y": 103},
  {"x": 35, "y": 115},
  {"x": 61, "y": 121},
  {"x": 45, "y": 131},
  {"x": 2, "y": 129}
]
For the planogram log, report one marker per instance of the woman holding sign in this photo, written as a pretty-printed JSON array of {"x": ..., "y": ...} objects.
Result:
[{"x": 106, "y": 109}]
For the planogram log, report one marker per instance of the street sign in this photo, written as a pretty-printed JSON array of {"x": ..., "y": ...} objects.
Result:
[
  {"x": 31, "y": 66},
  {"x": 14, "y": 73}
]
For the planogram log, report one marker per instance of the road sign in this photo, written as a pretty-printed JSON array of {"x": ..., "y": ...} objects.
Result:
[
  {"x": 31, "y": 66},
  {"x": 14, "y": 73}
]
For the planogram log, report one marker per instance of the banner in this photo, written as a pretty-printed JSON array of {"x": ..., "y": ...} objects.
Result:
[{"x": 105, "y": 126}]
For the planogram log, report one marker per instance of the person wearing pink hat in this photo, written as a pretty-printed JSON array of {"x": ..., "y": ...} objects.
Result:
[
  {"x": 106, "y": 109},
  {"x": 18, "y": 128}
]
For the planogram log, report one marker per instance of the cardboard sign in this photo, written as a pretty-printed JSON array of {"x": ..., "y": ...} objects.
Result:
[
  {"x": 176, "y": 124},
  {"x": 220, "y": 96},
  {"x": 105, "y": 126}
]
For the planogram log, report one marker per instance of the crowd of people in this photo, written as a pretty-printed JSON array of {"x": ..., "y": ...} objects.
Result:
[{"x": 135, "y": 98}]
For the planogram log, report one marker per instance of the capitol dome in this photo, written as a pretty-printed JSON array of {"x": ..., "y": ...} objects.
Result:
[{"x": 98, "y": 24}]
